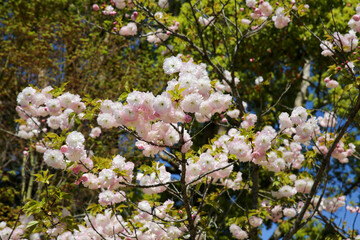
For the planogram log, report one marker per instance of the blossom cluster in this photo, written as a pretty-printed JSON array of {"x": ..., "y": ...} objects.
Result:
[
  {"x": 131, "y": 28},
  {"x": 353, "y": 209},
  {"x": 297, "y": 125},
  {"x": 347, "y": 42},
  {"x": 263, "y": 10},
  {"x": 113, "y": 226},
  {"x": 155, "y": 118},
  {"x": 41, "y": 111},
  {"x": 108, "y": 179},
  {"x": 278, "y": 212},
  {"x": 259, "y": 10},
  {"x": 16, "y": 233},
  {"x": 159, "y": 176},
  {"x": 341, "y": 152},
  {"x": 280, "y": 19},
  {"x": 34, "y": 104}
]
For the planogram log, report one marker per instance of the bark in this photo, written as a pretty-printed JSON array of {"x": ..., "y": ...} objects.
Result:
[
  {"x": 301, "y": 95},
  {"x": 23, "y": 177},
  {"x": 33, "y": 159}
]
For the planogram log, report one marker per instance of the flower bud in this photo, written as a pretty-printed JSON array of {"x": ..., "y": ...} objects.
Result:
[
  {"x": 356, "y": 18},
  {"x": 64, "y": 149},
  {"x": 95, "y": 7}
]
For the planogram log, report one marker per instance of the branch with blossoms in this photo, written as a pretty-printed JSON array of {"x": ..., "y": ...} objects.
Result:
[
  {"x": 271, "y": 166},
  {"x": 260, "y": 16},
  {"x": 150, "y": 119}
]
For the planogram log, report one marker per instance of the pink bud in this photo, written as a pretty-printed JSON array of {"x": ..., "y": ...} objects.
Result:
[
  {"x": 354, "y": 53},
  {"x": 255, "y": 155},
  {"x": 277, "y": 3},
  {"x": 188, "y": 118},
  {"x": 46, "y": 109},
  {"x": 64, "y": 148},
  {"x": 26, "y": 148},
  {"x": 114, "y": 28},
  {"x": 127, "y": 15},
  {"x": 95, "y": 7},
  {"x": 338, "y": 68},
  {"x": 187, "y": 56},
  {"x": 356, "y": 18},
  {"x": 44, "y": 129},
  {"x": 26, "y": 153},
  {"x": 180, "y": 211},
  {"x": 114, "y": 22},
  {"x": 327, "y": 79},
  {"x": 76, "y": 169},
  {"x": 168, "y": 33},
  {"x": 257, "y": 11},
  {"x": 242, "y": 9},
  {"x": 134, "y": 16}
]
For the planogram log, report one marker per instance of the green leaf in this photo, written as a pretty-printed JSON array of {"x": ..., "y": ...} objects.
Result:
[
  {"x": 71, "y": 116},
  {"x": 94, "y": 208},
  {"x": 123, "y": 97},
  {"x": 32, "y": 225}
]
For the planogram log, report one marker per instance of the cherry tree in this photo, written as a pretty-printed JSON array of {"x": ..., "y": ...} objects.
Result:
[{"x": 255, "y": 169}]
